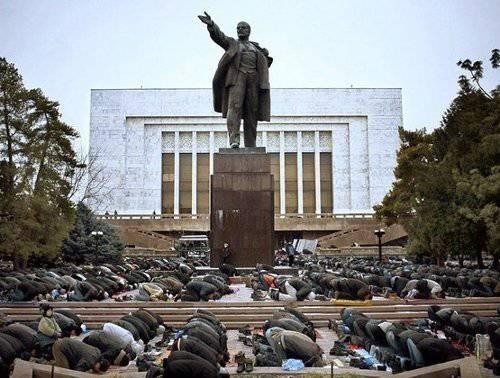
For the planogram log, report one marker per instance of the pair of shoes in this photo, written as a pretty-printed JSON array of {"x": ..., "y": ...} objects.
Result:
[
  {"x": 338, "y": 350},
  {"x": 239, "y": 358},
  {"x": 235, "y": 145},
  {"x": 244, "y": 364},
  {"x": 248, "y": 365},
  {"x": 246, "y": 330}
]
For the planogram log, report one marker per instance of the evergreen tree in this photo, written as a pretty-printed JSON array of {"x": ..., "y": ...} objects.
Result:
[
  {"x": 37, "y": 162},
  {"x": 447, "y": 187},
  {"x": 83, "y": 247}
]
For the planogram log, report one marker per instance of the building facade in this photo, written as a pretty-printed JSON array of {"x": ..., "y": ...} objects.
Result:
[{"x": 333, "y": 150}]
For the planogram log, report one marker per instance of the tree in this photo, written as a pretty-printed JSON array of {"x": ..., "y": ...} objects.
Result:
[
  {"x": 447, "y": 185},
  {"x": 37, "y": 162},
  {"x": 83, "y": 247},
  {"x": 90, "y": 181}
]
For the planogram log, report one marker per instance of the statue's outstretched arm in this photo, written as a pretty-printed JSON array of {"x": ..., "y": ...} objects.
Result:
[{"x": 215, "y": 33}]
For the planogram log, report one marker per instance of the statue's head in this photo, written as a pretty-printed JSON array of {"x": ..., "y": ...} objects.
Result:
[{"x": 243, "y": 30}]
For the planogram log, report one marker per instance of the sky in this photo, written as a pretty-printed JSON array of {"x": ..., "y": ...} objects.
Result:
[{"x": 68, "y": 47}]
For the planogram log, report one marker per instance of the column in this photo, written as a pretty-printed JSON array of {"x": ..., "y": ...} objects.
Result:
[
  {"x": 317, "y": 174},
  {"x": 177, "y": 182},
  {"x": 264, "y": 140},
  {"x": 333, "y": 172},
  {"x": 211, "y": 149},
  {"x": 300, "y": 183},
  {"x": 194, "y": 173},
  {"x": 282, "y": 173}
]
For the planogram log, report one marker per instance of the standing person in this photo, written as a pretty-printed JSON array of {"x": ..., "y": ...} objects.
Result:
[
  {"x": 241, "y": 83},
  {"x": 48, "y": 329},
  {"x": 226, "y": 253},
  {"x": 290, "y": 251}
]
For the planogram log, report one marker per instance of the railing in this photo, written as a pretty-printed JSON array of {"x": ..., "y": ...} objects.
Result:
[
  {"x": 207, "y": 216},
  {"x": 326, "y": 215}
]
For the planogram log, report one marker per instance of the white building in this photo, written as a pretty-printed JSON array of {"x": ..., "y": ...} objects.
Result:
[{"x": 333, "y": 150}]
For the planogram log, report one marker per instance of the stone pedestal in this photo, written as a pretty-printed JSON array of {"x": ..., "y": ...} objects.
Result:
[{"x": 242, "y": 207}]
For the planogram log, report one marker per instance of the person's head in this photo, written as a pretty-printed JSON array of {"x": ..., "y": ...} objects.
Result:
[
  {"x": 101, "y": 365},
  {"x": 243, "y": 30},
  {"x": 226, "y": 245},
  {"x": 46, "y": 310},
  {"x": 76, "y": 330},
  {"x": 364, "y": 293},
  {"x": 422, "y": 286},
  {"x": 122, "y": 359},
  {"x": 160, "y": 330},
  {"x": 215, "y": 296}
]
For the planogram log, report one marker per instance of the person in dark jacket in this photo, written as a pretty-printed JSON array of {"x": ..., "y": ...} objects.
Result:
[
  {"x": 181, "y": 364},
  {"x": 196, "y": 346},
  {"x": 148, "y": 319},
  {"x": 17, "y": 345},
  {"x": 25, "y": 291},
  {"x": 350, "y": 288},
  {"x": 26, "y": 335},
  {"x": 84, "y": 292},
  {"x": 197, "y": 290},
  {"x": 110, "y": 348},
  {"x": 70, "y": 314},
  {"x": 226, "y": 253},
  {"x": 7, "y": 352},
  {"x": 290, "y": 252},
  {"x": 144, "y": 332},
  {"x": 76, "y": 355}
]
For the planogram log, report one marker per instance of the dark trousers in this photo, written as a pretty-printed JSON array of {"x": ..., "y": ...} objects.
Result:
[{"x": 243, "y": 101}]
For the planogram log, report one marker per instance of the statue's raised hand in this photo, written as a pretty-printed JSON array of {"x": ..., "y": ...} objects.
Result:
[{"x": 206, "y": 19}]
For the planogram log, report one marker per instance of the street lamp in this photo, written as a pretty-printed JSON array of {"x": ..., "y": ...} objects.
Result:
[
  {"x": 96, "y": 235},
  {"x": 380, "y": 232}
]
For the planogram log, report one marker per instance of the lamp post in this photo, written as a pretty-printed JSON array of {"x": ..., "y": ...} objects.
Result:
[
  {"x": 96, "y": 235},
  {"x": 380, "y": 232}
]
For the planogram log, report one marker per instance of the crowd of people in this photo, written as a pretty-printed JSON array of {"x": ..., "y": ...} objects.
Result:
[
  {"x": 362, "y": 278},
  {"x": 134, "y": 279},
  {"x": 56, "y": 338},
  {"x": 200, "y": 347}
]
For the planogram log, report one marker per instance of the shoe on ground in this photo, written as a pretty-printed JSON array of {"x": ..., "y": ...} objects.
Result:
[
  {"x": 248, "y": 365},
  {"x": 246, "y": 330},
  {"x": 239, "y": 357}
]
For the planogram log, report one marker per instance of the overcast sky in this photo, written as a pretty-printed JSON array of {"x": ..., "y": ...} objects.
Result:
[{"x": 68, "y": 47}]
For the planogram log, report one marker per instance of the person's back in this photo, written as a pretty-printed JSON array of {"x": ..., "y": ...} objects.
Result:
[
  {"x": 23, "y": 333},
  {"x": 435, "y": 351},
  {"x": 182, "y": 364},
  {"x": 198, "y": 347},
  {"x": 7, "y": 352},
  {"x": 76, "y": 354},
  {"x": 300, "y": 346},
  {"x": 103, "y": 341}
]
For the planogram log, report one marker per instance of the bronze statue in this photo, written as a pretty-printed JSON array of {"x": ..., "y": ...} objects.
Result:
[{"x": 241, "y": 82}]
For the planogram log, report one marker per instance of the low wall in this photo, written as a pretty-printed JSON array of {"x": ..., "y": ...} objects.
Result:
[
  {"x": 465, "y": 367},
  {"x": 360, "y": 251}
]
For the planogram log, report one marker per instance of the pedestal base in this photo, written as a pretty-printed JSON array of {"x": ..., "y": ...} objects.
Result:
[{"x": 242, "y": 207}]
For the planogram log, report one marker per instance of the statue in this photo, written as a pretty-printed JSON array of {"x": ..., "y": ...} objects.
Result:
[{"x": 241, "y": 82}]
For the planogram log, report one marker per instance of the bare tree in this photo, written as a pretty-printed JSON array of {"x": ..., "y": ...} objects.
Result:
[{"x": 91, "y": 182}]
